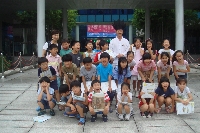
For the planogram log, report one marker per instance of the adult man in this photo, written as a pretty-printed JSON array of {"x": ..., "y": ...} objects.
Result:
[{"x": 119, "y": 45}]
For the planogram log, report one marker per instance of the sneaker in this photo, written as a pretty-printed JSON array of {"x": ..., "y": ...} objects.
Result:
[
  {"x": 150, "y": 115},
  {"x": 127, "y": 117},
  {"x": 105, "y": 119},
  {"x": 136, "y": 94},
  {"x": 65, "y": 114},
  {"x": 72, "y": 115},
  {"x": 38, "y": 109},
  {"x": 93, "y": 118},
  {"x": 52, "y": 113},
  {"x": 81, "y": 121},
  {"x": 146, "y": 114},
  {"x": 121, "y": 117},
  {"x": 142, "y": 114},
  {"x": 78, "y": 116},
  {"x": 42, "y": 112}
]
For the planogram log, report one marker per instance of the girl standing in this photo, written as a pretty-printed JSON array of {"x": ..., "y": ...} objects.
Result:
[
  {"x": 131, "y": 63},
  {"x": 164, "y": 65},
  {"x": 180, "y": 66},
  {"x": 166, "y": 48},
  {"x": 149, "y": 49}
]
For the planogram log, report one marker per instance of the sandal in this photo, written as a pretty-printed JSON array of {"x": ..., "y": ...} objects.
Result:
[
  {"x": 158, "y": 110},
  {"x": 167, "y": 109}
]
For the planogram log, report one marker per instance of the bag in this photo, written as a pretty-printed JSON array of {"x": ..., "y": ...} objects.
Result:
[{"x": 48, "y": 51}]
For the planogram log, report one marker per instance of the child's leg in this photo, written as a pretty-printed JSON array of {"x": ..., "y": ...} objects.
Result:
[
  {"x": 151, "y": 108},
  {"x": 168, "y": 101},
  {"x": 92, "y": 112},
  {"x": 57, "y": 96},
  {"x": 161, "y": 101},
  {"x": 119, "y": 108},
  {"x": 105, "y": 111},
  {"x": 79, "y": 108},
  {"x": 52, "y": 104},
  {"x": 127, "y": 109},
  {"x": 41, "y": 104},
  {"x": 144, "y": 108}
]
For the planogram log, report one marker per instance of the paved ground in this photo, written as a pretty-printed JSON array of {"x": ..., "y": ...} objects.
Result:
[{"x": 18, "y": 103}]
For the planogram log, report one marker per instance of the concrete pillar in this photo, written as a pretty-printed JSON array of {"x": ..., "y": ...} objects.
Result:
[
  {"x": 130, "y": 33},
  {"x": 65, "y": 15},
  {"x": 179, "y": 18},
  {"x": 1, "y": 41},
  {"x": 147, "y": 23},
  {"x": 40, "y": 26},
  {"x": 24, "y": 41},
  {"x": 77, "y": 32}
]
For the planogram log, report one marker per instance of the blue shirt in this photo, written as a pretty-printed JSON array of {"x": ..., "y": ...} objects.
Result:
[
  {"x": 97, "y": 50},
  {"x": 166, "y": 94},
  {"x": 121, "y": 77},
  {"x": 49, "y": 73},
  {"x": 104, "y": 72}
]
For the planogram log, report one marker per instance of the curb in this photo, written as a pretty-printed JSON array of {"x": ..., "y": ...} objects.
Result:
[{"x": 11, "y": 72}]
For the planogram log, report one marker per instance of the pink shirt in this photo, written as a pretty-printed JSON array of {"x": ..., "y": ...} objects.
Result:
[
  {"x": 146, "y": 67},
  {"x": 163, "y": 67},
  {"x": 54, "y": 61},
  {"x": 181, "y": 66},
  {"x": 137, "y": 57}
]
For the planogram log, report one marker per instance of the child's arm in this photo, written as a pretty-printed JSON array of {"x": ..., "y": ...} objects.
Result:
[
  {"x": 185, "y": 71},
  {"x": 60, "y": 68},
  {"x": 53, "y": 78},
  {"x": 49, "y": 96},
  {"x": 153, "y": 56},
  {"x": 159, "y": 56},
  {"x": 84, "y": 55},
  {"x": 174, "y": 69},
  {"x": 151, "y": 75},
  {"x": 141, "y": 50},
  {"x": 40, "y": 94},
  {"x": 190, "y": 98},
  {"x": 178, "y": 99},
  {"x": 84, "y": 84},
  {"x": 109, "y": 83},
  {"x": 73, "y": 109},
  {"x": 168, "y": 71},
  {"x": 86, "y": 100},
  {"x": 159, "y": 74},
  {"x": 141, "y": 74},
  {"x": 75, "y": 73}
]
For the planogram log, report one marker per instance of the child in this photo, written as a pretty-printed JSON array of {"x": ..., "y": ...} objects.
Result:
[
  {"x": 55, "y": 61},
  {"x": 149, "y": 49},
  {"x": 121, "y": 72},
  {"x": 45, "y": 97},
  {"x": 77, "y": 58},
  {"x": 104, "y": 73},
  {"x": 138, "y": 52},
  {"x": 65, "y": 46},
  {"x": 65, "y": 93},
  {"x": 97, "y": 46},
  {"x": 131, "y": 63},
  {"x": 164, "y": 66},
  {"x": 77, "y": 102},
  {"x": 104, "y": 48},
  {"x": 124, "y": 99},
  {"x": 48, "y": 71},
  {"x": 165, "y": 95},
  {"x": 87, "y": 72},
  {"x": 96, "y": 85},
  {"x": 89, "y": 53},
  {"x": 146, "y": 105},
  {"x": 182, "y": 92},
  {"x": 69, "y": 69},
  {"x": 166, "y": 45},
  {"x": 146, "y": 68},
  {"x": 180, "y": 66}
]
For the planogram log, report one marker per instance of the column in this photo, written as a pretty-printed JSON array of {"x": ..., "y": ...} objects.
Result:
[
  {"x": 24, "y": 41},
  {"x": 40, "y": 26},
  {"x": 130, "y": 33},
  {"x": 77, "y": 32},
  {"x": 65, "y": 15},
  {"x": 1, "y": 47},
  {"x": 179, "y": 18},
  {"x": 147, "y": 23}
]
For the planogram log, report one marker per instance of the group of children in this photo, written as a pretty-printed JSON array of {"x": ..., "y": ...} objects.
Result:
[{"x": 63, "y": 75}]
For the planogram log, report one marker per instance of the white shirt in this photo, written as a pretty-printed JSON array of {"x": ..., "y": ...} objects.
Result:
[
  {"x": 119, "y": 97},
  {"x": 184, "y": 94},
  {"x": 133, "y": 63},
  {"x": 169, "y": 51},
  {"x": 44, "y": 95},
  {"x": 118, "y": 47}
]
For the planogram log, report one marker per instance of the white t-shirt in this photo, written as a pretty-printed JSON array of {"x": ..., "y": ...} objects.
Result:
[
  {"x": 44, "y": 95},
  {"x": 119, "y": 97},
  {"x": 133, "y": 63},
  {"x": 169, "y": 51},
  {"x": 182, "y": 95},
  {"x": 163, "y": 67}
]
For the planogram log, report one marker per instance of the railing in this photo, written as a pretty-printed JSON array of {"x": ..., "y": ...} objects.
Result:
[{"x": 7, "y": 65}]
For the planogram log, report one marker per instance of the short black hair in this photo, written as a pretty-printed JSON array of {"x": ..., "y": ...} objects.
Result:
[
  {"x": 75, "y": 83},
  {"x": 63, "y": 88},
  {"x": 65, "y": 41},
  {"x": 87, "y": 60},
  {"x": 105, "y": 55},
  {"x": 102, "y": 43},
  {"x": 95, "y": 81},
  {"x": 66, "y": 58},
  {"x": 163, "y": 79},
  {"x": 73, "y": 43},
  {"x": 44, "y": 79},
  {"x": 179, "y": 80},
  {"x": 42, "y": 60},
  {"x": 53, "y": 32},
  {"x": 52, "y": 46},
  {"x": 88, "y": 41}
]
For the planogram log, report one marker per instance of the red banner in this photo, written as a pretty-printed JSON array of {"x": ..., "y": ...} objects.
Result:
[{"x": 100, "y": 28}]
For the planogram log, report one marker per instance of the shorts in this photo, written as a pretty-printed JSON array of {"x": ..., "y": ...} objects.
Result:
[
  {"x": 136, "y": 77},
  {"x": 85, "y": 108},
  {"x": 64, "y": 99},
  {"x": 46, "y": 103},
  {"x": 182, "y": 76},
  {"x": 55, "y": 87}
]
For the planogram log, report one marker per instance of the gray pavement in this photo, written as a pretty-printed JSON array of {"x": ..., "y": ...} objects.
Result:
[{"x": 18, "y": 103}]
